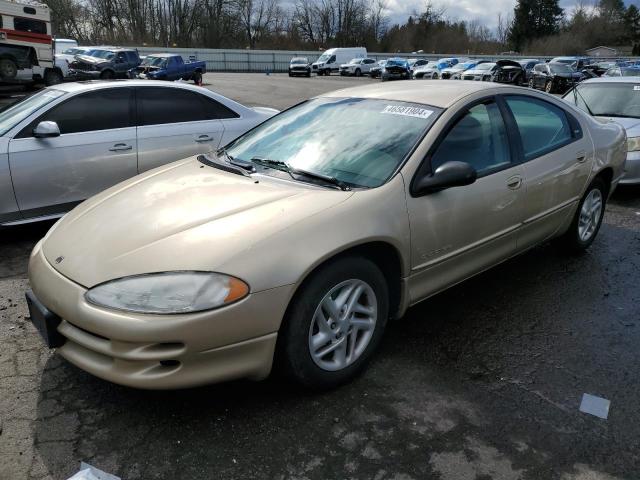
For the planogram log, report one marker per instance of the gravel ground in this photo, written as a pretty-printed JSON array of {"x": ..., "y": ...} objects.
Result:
[{"x": 480, "y": 382}]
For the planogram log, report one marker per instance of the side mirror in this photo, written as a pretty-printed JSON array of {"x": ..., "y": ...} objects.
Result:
[
  {"x": 46, "y": 130},
  {"x": 447, "y": 175}
]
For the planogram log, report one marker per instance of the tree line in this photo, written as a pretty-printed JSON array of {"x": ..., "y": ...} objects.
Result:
[{"x": 537, "y": 27}]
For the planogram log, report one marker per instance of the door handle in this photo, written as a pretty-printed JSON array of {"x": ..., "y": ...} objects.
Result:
[
  {"x": 581, "y": 156},
  {"x": 204, "y": 138},
  {"x": 120, "y": 147},
  {"x": 514, "y": 183}
]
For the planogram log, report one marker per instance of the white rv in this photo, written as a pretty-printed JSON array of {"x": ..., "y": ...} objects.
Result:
[{"x": 331, "y": 60}]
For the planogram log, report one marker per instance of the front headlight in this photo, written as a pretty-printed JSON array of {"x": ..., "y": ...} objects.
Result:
[
  {"x": 633, "y": 144},
  {"x": 169, "y": 292}
]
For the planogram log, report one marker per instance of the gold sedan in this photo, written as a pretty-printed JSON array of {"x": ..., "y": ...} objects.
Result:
[{"x": 298, "y": 242}]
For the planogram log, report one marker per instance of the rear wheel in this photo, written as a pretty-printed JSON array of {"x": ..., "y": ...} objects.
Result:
[
  {"x": 197, "y": 78},
  {"x": 434, "y": 76},
  {"x": 107, "y": 75},
  {"x": 334, "y": 324},
  {"x": 588, "y": 218},
  {"x": 8, "y": 69}
]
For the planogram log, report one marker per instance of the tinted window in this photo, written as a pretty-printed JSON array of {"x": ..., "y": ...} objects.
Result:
[
  {"x": 607, "y": 99},
  {"x": 479, "y": 139},
  {"x": 158, "y": 105},
  {"x": 29, "y": 25},
  {"x": 99, "y": 110},
  {"x": 132, "y": 57},
  {"x": 214, "y": 109},
  {"x": 543, "y": 127}
]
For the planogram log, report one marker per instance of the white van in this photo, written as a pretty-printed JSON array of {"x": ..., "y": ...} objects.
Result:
[{"x": 331, "y": 60}]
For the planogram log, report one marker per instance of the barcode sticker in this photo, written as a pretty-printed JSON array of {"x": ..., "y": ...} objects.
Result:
[{"x": 407, "y": 111}]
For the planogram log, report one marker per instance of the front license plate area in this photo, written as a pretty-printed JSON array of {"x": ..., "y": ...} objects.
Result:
[{"x": 45, "y": 321}]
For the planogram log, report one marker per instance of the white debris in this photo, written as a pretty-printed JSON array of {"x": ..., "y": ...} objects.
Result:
[
  {"x": 87, "y": 472},
  {"x": 596, "y": 406}
]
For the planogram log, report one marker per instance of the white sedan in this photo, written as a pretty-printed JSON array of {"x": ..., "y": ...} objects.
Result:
[{"x": 66, "y": 143}]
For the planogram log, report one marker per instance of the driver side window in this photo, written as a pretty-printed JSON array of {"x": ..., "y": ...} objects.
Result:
[
  {"x": 332, "y": 59},
  {"x": 479, "y": 138}
]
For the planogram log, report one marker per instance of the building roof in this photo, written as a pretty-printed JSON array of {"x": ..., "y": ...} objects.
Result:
[{"x": 602, "y": 46}]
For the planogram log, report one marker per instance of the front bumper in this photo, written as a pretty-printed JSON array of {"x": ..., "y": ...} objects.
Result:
[
  {"x": 84, "y": 74},
  {"x": 631, "y": 169},
  {"x": 156, "y": 351}
]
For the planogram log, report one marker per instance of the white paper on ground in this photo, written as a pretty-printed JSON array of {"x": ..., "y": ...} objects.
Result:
[{"x": 596, "y": 406}]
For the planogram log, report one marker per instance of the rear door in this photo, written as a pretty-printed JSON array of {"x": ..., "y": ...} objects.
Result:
[
  {"x": 557, "y": 155},
  {"x": 95, "y": 150},
  {"x": 173, "y": 123}
]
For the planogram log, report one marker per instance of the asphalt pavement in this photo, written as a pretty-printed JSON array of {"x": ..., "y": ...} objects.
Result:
[{"x": 481, "y": 382}]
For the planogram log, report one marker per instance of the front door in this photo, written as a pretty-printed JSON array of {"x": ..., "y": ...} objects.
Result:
[
  {"x": 173, "y": 124},
  {"x": 460, "y": 231},
  {"x": 95, "y": 150}
]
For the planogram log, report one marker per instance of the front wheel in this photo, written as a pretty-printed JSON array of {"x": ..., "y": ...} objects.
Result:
[
  {"x": 588, "y": 218},
  {"x": 548, "y": 87},
  {"x": 107, "y": 75},
  {"x": 52, "y": 77},
  {"x": 358, "y": 72},
  {"x": 8, "y": 69},
  {"x": 531, "y": 85},
  {"x": 334, "y": 324},
  {"x": 434, "y": 76}
]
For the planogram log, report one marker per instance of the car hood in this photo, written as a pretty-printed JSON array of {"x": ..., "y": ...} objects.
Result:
[
  {"x": 182, "y": 216},
  {"x": 631, "y": 125},
  {"x": 90, "y": 60},
  {"x": 474, "y": 71},
  {"x": 508, "y": 63}
]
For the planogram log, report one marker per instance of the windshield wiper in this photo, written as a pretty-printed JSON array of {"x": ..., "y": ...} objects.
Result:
[
  {"x": 285, "y": 167},
  {"x": 215, "y": 163},
  {"x": 248, "y": 166}
]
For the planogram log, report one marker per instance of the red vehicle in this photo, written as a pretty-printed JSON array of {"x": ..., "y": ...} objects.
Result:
[{"x": 26, "y": 46}]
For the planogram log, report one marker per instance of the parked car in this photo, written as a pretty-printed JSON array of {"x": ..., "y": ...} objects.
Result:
[
  {"x": 169, "y": 66},
  {"x": 376, "y": 70},
  {"x": 616, "y": 100},
  {"x": 69, "y": 142},
  {"x": 577, "y": 63},
  {"x": 300, "y": 66},
  {"x": 276, "y": 247},
  {"x": 104, "y": 64},
  {"x": 554, "y": 77},
  {"x": 415, "y": 63},
  {"x": 396, "y": 69},
  {"x": 623, "y": 72},
  {"x": 455, "y": 72},
  {"x": 599, "y": 68},
  {"x": 69, "y": 55},
  {"x": 527, "y": 65},
  {"x": 433, "y": 69},
  {"x": 357, "y": 66},
  {"x": 331, "y": 59},
  {"x": 62, "y": 44},
  {"x": 509, "y": 71},
  {"x": 480, "y": 73}
]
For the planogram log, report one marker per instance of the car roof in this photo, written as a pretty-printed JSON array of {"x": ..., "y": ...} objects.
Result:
[
  {"x": 163, "y": 55},
  {"x": 431, "y": 92},
  {"x": 613, "y": 80},
  {"x": 89, "y": 85}
]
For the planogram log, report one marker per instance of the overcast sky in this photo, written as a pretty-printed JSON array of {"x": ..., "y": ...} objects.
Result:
[{"x": 485, "y": 10}]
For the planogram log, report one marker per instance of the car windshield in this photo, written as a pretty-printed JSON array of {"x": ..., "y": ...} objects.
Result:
[
  {"x": 360, "y": 142},
  {"x": 154, "y": 61},
  {"x": 631, "y": 72},
  {"x": 72, "y": 51},
  {"x": 607, "y": 99},
  {"x": 485, "y": 66},
  {"x": 324, "y": 57},
  {"x": 395, "y": 63},
  {"x": 17, "y": 112},
  {"x": 560, "y": 68},
  {"x": 101, "y": 54},
  {"x": 460, "y": 66},
  {"x": 298, "y": 61}
]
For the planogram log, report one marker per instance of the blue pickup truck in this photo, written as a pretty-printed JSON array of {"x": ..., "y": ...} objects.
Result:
[{"x": 168, "y": 66}]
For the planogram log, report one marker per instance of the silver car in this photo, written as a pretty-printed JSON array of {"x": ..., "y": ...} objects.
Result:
[
  {"x": 67, "y": 143},
  {"x": 615, "y": 99}
]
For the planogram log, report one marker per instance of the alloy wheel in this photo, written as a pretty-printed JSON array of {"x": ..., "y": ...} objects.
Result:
[
  {"x": 590, "y": 215},
  {"x": 343, "y": 325}
]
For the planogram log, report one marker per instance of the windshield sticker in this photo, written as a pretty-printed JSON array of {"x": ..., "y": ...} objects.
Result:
[
  {"x": 407, "y": 111},
  {"x": 636, "y": 87}
]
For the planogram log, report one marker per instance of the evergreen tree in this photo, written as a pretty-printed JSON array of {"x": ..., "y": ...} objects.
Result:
[
  {"x": 632, "y": 24},
  {"x": 533, "y": 19}
]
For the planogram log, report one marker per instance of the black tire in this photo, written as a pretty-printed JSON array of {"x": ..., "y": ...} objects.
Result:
[
  {"x": 8, "y": 69},
  {"x": 308, "y": 74},
  {"x": 358, "y": 72},
  {"x": 571, "y": 239},
  {"x": 531, "y": 85},
  {"x": 434, "y": 76},
  {"x": 548, "y": 86},
  {"x": 197, "y": 78},
  {"x": 52, "y": 77},
  {"x": 107, "y": 75},
  {"x": 293, "y": 351}
]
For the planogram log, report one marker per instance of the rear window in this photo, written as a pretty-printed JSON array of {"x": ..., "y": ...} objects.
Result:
[{"x": 29, "y": 25}]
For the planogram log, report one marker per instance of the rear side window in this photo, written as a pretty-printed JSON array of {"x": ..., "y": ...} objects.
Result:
[
  {"x": 29, "y": 25},
  {"x": 214, "y": 109},
  {"x": 132, "y": 56},
  {"x": 99, "y": 110},
  {"x": 158, "y": 105},
  {"x": 543, "y": 127}
]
